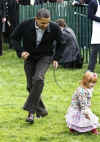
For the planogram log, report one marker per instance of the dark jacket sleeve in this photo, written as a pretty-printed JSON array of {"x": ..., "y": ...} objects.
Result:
[
  {"x": 59, "y": 44},
  {"x": 0, "y": 9},
  {"x": 92, "y": 8},
  {"x": 3, "y": 8},
  {"x": 16, "y": 37}
]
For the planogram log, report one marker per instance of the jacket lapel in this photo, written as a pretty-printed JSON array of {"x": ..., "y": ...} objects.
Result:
[{"x": 33, "y": 32}]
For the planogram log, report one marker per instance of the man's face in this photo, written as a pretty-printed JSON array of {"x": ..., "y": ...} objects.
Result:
[{"x": 42, "y": 23}]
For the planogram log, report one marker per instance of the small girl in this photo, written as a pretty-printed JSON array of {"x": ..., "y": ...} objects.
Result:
[{"x": 79, "y": 117}]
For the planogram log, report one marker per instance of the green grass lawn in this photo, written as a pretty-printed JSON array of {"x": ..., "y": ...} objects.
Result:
[{"x": 52, "y": 128}]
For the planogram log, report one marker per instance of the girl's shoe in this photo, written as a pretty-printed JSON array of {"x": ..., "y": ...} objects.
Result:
[
  {"x": 72, "y": 130},
  {"x": 95, "y": 131}
]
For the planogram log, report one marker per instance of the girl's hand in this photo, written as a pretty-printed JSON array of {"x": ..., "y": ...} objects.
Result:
[{"x": 87, "y": 116}]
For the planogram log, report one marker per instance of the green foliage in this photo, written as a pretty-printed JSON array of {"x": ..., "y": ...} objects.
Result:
[{"x": 52, "y": 128}]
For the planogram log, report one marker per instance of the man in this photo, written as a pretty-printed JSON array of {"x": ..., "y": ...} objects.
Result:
[
  {"x": 37, "y": 35},
  {"x": 94, "y": 15},
  {"x": 3, "y": 14}
]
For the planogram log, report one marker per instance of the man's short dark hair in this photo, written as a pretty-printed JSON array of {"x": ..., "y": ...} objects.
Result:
[
  {"x": 43, "y": 13},
  {"x": 61, "y": 22}
]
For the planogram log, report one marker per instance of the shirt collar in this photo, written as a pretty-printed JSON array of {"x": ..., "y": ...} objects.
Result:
[{"x": 36, "y": 26}]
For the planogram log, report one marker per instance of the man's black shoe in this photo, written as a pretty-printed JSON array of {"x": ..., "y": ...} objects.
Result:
[
  {"x": 30, "y": 118},
  {"x": 41, "y": 114}
]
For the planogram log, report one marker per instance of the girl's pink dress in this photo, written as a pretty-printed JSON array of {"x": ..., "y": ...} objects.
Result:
[{"x": 75, "y": 118}]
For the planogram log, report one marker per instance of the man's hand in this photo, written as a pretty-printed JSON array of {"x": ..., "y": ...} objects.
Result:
[
  {"x": 25, "y": 55},
  {"x": 55, "y": 64},
  {"x": 4, "y": 20}
]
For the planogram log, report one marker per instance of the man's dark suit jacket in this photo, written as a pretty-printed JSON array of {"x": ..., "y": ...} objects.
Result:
[{"x": 26, "y": 33}]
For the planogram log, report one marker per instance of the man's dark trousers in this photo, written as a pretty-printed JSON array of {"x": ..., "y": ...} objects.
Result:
[
  {"x": 35, "y": 70},
  {"x": 93, "y": 56}
]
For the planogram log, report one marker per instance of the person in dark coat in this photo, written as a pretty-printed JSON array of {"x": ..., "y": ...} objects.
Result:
[
  {"x": 37, "y": 36},
  {"x": 3, "y": 14},
  {"x": 94, "y": 15},
  {"x": 71, "y": 57},
  {"x": 12, "y": 19}
]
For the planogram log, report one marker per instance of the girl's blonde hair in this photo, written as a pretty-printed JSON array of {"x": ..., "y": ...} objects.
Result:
[{"x": 89, "y": 77}]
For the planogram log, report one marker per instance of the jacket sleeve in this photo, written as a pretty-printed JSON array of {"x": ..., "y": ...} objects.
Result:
[
  {"x": 92, "y": 8},
  {"x": 16, "y": 37},
  {"x": 59, "y": 44},
  {"x": 4, "y": 8}
]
